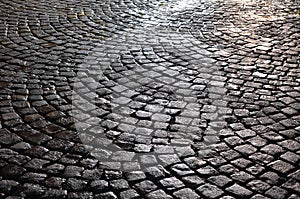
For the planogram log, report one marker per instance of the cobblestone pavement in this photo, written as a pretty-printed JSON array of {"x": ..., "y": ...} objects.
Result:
[{"x": 150, "y": 99}]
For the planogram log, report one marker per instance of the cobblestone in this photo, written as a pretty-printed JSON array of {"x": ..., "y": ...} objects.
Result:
[
  {"x": 186, "y": 193},
  {"x": 210, "y": 191},
  {"x": 149, "y": 99}
]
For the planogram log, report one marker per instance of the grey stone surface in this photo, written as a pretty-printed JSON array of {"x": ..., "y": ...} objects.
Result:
[{"x": 149, "y": 99}]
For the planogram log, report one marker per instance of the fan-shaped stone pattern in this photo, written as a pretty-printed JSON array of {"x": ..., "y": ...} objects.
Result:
[
  {"x": 150, "y": 104},
  {"x": 256, "y": 45}
]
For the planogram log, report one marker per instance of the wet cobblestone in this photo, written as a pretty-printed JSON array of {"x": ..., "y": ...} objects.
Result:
[{"x": 206, "y": 91}]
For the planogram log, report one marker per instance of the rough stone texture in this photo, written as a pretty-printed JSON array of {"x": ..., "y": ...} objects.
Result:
[{"x": 206, "y": 91}]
